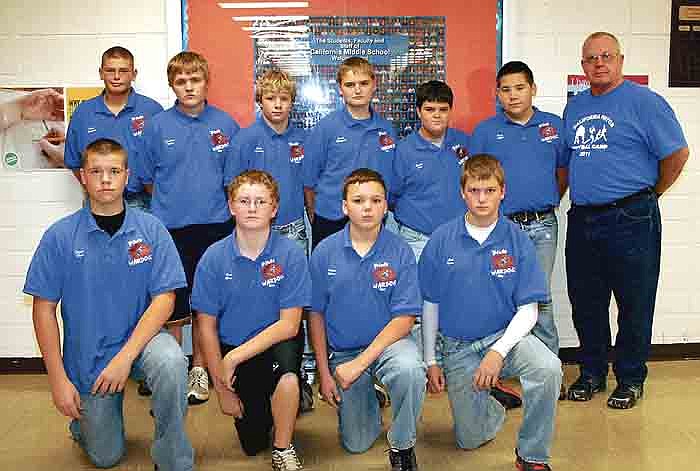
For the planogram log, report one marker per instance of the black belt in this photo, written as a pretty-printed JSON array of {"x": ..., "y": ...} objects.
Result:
[
  {"x": 526, "y": 217},
  {"x": 618, "y": 203}
]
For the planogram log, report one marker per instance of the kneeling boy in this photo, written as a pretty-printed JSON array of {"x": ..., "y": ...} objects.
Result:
[
  {"x": 364, "y": 304},
  {"x": 481, "y": 283},
  {"x": 249, "y": 292}
]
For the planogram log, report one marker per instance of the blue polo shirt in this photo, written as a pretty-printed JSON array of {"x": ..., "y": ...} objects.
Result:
[
  {"x": 340, "y": 144},
  {"x": 246, "y": 295},
  {"x": 616, "y": 141},
  {"x": 425, "y": 186},
  {"x": 358, "y": 296},
  {"x": 530, "y": 155},
  {"x": 479, "y": 287},
  {"x": 184, "y": 159},
  {"x": 104, "y": 284},
  {"x": 282, "y": 155},
  {"x": 92, "y": 120}
]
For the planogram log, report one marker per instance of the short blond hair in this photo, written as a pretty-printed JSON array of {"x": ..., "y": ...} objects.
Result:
[
  {"x": 274, "y": 81},
  {"x": 255, "y": 177},
  {"x": 187, "y": 62},
  {"x": 482, "y": 167},
  {"x": 355, "y": 64}
]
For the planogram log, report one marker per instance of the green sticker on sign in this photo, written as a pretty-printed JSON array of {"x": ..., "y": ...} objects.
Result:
[{"x": 11, "y": 159}]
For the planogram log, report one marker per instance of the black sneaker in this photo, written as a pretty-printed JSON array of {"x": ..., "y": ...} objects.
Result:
[
  {"x": 508, "y": 397},
  {"x": 625, "y": 396},
  {"x": 403, "y": 460},
  {"x": 562, "y": 392},
  {"x": 523, "y": 465},
  {"x": 584, "y": 388},
  {"x": 143, "y": 389}
]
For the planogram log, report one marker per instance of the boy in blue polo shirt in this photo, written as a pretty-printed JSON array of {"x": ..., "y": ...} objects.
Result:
[
  {"x": 270, "y": 144},
  {"x": 481, "y": 284},
  {"x": 114, "y": 270},
  {"x": 343, "y": 141},
  {"x": 364, "y": 304},
  {"x": 250, "y": 289},
  {"x": 528, "y": 144},
  {"x": 186, "y": 149},
  {"x": 428, "y": 165},
  {"x": 119, "y": 113}
]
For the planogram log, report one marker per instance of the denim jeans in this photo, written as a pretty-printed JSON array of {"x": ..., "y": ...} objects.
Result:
[
  {"x": 614, "y": 251},
  {"x": 100, "y": 430},
  {"x": 544, "y": 233},
  {"x": 402, "y": 371},
  {"x": 416, "y": 240},
  {"x": 478, "y": 416},
  {"x": 296, "y": 231}
]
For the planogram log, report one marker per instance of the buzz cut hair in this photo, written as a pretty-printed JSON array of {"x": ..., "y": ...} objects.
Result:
[
  {"x": 117, "y": 52},
  {"x": 103, "y": 146}
]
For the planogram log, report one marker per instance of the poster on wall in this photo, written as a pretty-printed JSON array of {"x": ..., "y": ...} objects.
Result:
[
  {"x": 32, "y": 127},
  {"x": 404, "y": 51},
  {"x": 77, "y": 95},
  {"x": 407, "y": 42},
  {"x": 684, "y": 52},
  {"x": 576, "y": 84}
]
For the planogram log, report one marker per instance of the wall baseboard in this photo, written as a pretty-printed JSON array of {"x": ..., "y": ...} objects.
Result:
[{"x": 660, "y": 352}]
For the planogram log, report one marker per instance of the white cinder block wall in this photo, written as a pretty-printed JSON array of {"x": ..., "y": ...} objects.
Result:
[
  {"x": 55, "y": 43},
  {"x": 548, "y": 34}
]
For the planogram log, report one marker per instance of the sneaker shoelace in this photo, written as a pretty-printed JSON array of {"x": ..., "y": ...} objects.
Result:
[
  {"x": 200, "y": 379},
  {"x": 288, "y": 458}
]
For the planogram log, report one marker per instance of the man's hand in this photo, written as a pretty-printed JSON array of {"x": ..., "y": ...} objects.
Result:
[
  {"x": 436, "y": 379},
  {"x": 42, "y": 104},
  {"x": 487, "y": 374},
  {"x": 113, "y": 377},
  {"x": 66, "y": 397},
  {"x": 329, "y": 390},
  {"x": 230, "y": 403},
  {"x": 347, "y": 373}
]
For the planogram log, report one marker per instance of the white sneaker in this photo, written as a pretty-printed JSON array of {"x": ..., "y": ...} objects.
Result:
[
  {"x": 197, "y": 385},
  {"x": 286, "y": 460}
]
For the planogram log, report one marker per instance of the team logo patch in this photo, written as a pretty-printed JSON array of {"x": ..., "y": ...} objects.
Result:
[
  {"x": 502, "y": 263},
  {"x": 139, "y": 252},
  {"x": 272, "y": 272},
  {"x": 500, "y": 136},
  {"x": 138, "y": 123},
  {"x": 548, "y": 133},
  {"x": 219, "y": 140},
  {"x": 384, "y": 276},
  {"x": 91, "y": 130},
  {"x": 296, "y": 152},
  {"x": 385, "y": 141},
  {"x": 461, "y": 153}
]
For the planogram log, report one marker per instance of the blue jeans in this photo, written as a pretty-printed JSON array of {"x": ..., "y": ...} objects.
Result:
[
  {"x": 402, "y": 371},
  {"x": 416, "y": 240},
  {"x": 100, "y": 430},
  {"x": 478, "y": 416},
  {"x": 614, "y": 251},
  {"x": 544, "y": 234}
]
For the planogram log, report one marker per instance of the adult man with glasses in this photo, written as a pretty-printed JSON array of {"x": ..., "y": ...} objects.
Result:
[{"x": 626, "y": 149}]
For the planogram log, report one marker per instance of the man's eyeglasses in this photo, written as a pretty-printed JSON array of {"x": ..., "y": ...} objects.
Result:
[
  {"x": 257, "y": 202},
  {"x": 606, "y": 57}
]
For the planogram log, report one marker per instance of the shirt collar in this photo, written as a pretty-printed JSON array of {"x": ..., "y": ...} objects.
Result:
[
  {"x": 347, "y": 243},
  {"x": 130, "y": 103},
  {"x": 265, "y": 252},
  {"x": 369, "y": 123},
  {"x": 91, "y": 225},
  {"x": 187, "y": 118},
  {"x": 535, "y": 120},
  {"x": 269, "y": 131},
  {"x": 422, "y": 143},
  {"x": 496, "y": 234}
]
